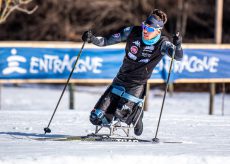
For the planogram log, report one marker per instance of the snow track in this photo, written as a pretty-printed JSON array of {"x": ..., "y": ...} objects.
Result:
[{"x": 26, "y": 111}]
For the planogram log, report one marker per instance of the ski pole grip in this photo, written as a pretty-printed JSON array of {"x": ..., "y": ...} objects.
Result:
[{"x": 89, "y": 36}]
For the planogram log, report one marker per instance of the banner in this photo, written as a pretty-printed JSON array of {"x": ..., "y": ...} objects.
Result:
[
  {"x": 104, "y": 63},
  {"x": 199, "y": 64}
]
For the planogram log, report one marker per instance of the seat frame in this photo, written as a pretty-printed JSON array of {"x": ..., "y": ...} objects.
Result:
[{"x": 116, "y": 125}]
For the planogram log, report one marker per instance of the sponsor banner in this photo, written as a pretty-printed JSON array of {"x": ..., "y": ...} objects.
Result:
[
  {"x": 198, "y": 64},
  {"x": 104, "y": 63}
]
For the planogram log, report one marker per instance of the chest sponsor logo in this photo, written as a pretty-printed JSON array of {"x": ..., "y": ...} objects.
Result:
[
  {"x": 131, "y": 56},
  {"x": 146, "y": 55},
  {"x": 137, "y": 43},
  {"x": 149, "y": 48},
  {"x": 116, "y": 35},
  {"x": 134, "y": 49},
  {"x": 144, "y": 60}
]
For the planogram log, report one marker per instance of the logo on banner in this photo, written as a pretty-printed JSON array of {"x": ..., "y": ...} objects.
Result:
[
  {"x": 14, "y": 63},
  {"x": 52, "y": 63},
  {"x": 191, "y": 64},
  {"x": 134, "y": 49}
]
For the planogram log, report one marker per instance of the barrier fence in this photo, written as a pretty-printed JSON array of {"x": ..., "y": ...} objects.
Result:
[{"x": 50, "y": 62}]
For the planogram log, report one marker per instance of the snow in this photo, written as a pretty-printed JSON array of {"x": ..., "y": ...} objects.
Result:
[{"x": 25, "y": 111}]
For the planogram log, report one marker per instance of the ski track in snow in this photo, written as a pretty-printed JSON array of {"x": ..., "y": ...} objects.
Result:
[{"x": 26, "y": 111}]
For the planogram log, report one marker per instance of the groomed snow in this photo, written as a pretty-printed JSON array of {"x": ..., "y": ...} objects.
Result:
[{"x": 26, "y": 111}]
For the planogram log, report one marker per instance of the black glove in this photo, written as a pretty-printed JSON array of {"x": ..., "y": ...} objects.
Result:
[
  {"x": 87, "y": 36},
  {"x": 177, "y": 39},
  {"x": 167, "y": 48}
]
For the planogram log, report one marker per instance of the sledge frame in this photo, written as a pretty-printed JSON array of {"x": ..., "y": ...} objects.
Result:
[{"x": 116, "y": 125}]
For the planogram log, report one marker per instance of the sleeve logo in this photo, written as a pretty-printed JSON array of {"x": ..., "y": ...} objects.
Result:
[{"x": 116, "y": 35}]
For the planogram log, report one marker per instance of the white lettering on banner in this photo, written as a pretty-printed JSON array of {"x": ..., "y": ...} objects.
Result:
[
  {"x": 13, "y": 63},
  {"x": 34, "y": 62},
  {"x": 87, "y": 64},
  {"x": 66, "y": 63},
  {"x": 195, "y": 64},
  {"x": 56, "y": 65},
  {"x": 97, "y": 63},
  {"x": 190, "y": 64},
  {"x": 43, "y": 65},
  {"x": 50, "y": 59},
  {"x": 214, "y": 62}
]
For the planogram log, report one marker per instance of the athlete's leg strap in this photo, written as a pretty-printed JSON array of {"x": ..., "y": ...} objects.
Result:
[{"x": 120, "y": 91}]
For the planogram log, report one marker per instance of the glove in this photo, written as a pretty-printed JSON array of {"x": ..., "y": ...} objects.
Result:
[
  {"x": 167, "y": 48},
  {"x": 87, "y": 36},
  {"x": 177, "y": 39}
]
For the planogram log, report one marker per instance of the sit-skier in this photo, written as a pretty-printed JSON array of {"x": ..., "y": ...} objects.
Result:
[{"x": 145, "y": 47}]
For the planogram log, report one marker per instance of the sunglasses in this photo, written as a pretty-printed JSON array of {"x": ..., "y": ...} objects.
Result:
[{"x": 149, "y": 28}]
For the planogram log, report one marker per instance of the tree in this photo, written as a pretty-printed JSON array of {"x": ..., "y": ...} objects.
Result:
[
  {"x": 58, "y": 20},
  {"x": 8, "y": 6}
]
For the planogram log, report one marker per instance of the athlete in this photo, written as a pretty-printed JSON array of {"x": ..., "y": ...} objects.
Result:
[{"x": 145, "y": 47}]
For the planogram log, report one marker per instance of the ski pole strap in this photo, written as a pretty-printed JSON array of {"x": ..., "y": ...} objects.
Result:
[{"x": 120, "y": 91}]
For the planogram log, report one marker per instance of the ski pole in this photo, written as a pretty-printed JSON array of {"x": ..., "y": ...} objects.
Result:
[
  {"x": 155, "y": 139},
  {"x": 47, "y": 129}
]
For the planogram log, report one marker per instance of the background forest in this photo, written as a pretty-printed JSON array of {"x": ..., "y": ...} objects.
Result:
[{"x": 66, "y": 20}]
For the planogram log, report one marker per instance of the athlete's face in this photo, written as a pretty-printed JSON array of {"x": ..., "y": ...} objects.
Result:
[
  {"x": 150, "y": 35},
  {"x": 150, "y": 32}
]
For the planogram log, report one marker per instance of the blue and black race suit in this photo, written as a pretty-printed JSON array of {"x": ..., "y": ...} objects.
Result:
[
  {"x": 140, "y": 59},
  {"x": 137, "y": 67}
]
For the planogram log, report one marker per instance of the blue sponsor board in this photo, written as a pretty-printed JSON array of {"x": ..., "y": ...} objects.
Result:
[{"x": 104, "y": 63}]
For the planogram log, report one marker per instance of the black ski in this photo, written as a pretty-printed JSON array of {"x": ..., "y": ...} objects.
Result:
[
  {"x": 91, "y": 137},
  {"x": 99, "y": 138}
]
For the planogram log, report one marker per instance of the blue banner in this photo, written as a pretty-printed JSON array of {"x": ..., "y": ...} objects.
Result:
[
  {"x": 199, "y": 64},
  {"x": 104, "y": 63}
]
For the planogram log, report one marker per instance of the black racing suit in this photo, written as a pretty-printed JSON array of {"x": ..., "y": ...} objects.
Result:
[{"x": 137, "y": 67}]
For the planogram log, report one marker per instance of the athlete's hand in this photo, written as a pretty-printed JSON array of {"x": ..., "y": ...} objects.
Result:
[
  {"x": 87, "y": 36},
  {"x": 167, "y": 48},
  {"x": 177, "y": 39}
]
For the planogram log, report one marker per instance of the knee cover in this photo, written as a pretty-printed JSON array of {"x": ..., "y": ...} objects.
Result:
[
  {"x": 124, "y": 109},
  {"x": 133, "y": 117},
  {"x": 97, "y": 117}
]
